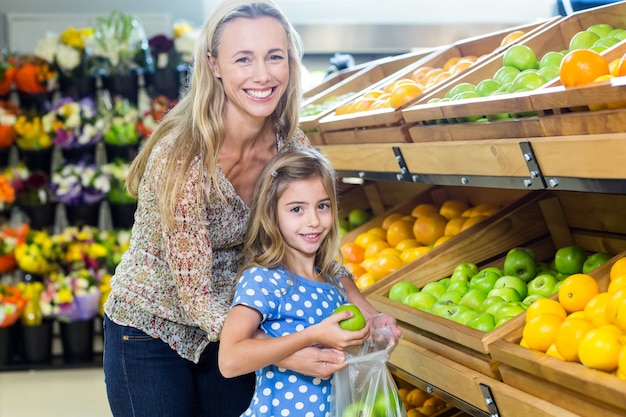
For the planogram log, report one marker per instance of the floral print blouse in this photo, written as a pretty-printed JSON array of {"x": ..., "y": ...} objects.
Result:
[{"x": 178, "y": 285}]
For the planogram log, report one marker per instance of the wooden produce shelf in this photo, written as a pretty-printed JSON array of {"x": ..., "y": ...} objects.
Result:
[
  {"x": 386, "y": 125},
  {"x": 570, "y": 385},
  {"x": 544, "y": 222},
  {"x": 351, "y": 86},
  {"x": 467, "y": 385}
]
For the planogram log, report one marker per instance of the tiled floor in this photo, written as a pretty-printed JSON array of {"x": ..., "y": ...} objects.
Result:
[{"x": 53, "y": 393}]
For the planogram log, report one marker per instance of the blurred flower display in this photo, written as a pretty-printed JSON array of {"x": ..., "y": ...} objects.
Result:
[
  {"x": 8, "y": 116},
  {"x": 117, "y": 172},
  {"x": 31, "y": 134},
  {"x": 68, "y": 52},
  {"x": 38, "y": 254},
  {"x": 121, "y": 126},
  {"x": 79, "y": 184},
  {"x": 73, "y": 124},
  {"x": 7, "y": 72},
  {"x": 12, "y": 303},
  {"x": 34, "y": 75}
]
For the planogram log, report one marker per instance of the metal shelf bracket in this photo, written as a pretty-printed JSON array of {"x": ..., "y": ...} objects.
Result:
[
  {"x": 404, "y": 174},
  {"x": 491, "y": 403},
  {"x": 533, "y": 166}
]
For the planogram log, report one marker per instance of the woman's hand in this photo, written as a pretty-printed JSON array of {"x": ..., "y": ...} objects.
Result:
[{"x": 316, "y": 362}]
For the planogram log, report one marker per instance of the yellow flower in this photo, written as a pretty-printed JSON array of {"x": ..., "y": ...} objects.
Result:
[
  {"x": 65, "y": 296},
  {"x": 76, "y": 37}
]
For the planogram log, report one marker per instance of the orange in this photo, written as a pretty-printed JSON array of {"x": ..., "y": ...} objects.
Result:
[
  {"x": 416, "y": 397},
  {"x": 512, "y": 37},
  {"x": 365, "y": 239},
  {"x": 428, "y": 228},
  {"x": 554, "y": 352},
  {"x": 576, "y": 315},
  {"x": 367, "y": 264},
  {"x": 600, "y": 349},
  {"x": 441, "y": 240},
  {"x": 614, "y": 67},
  {"x": 403, "y": 93},
  {"x": 398, "y": 231},
  {"x": 616, "y": 308},
  {"x": 424, "y": 208},
  {"x": 621, "y": 364},
  {"x": 460, "y": 66},
  {"x": 374, "y": 248},
  {"x": 618, "y": 268},
  {"x": 355, "y": 269},
  {"x": 540, "y": 331},
  {"x": 569, "y": 336},
  {"x": 419, "y": 74},
  {"x": 386, "y": 264},
  {"x": 595, "y": 310},
  {"x": 452, "y": 208},
  {"x": 345, "y": 108},
  {"x": 576, "y": 291},
  {"x": 362, "y": 104},
  {"x": 365, "y": 280},
  {"x": 581, "y": 67},
  {"x": 378, "y": 231},
  {"x": 352, "y": 252},
  {"x": 407, "y": 244},
  {"x": 439, "y": 78},
  {"x": 617, "y": 283},
  {"x": 605, "y": 77},
  {"x": 390, "y": 219},
  {"x": 450, "y": 62},
  {"x": 484, "y": 209},
  {"x": 373, "y": 94},
  {"x": 545, "y": 305},
  {"x": 621, "y": 66},
  {"x": 472, "y": 221},
  {"x": 454, "y": 226},
  {"x": 397, "y": 83},
  {"x": 411, "y": 254},
  {"x": 390, "y": 251}
]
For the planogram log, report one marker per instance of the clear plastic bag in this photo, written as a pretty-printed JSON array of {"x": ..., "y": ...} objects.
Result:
[{"x": 366, "y": 388}]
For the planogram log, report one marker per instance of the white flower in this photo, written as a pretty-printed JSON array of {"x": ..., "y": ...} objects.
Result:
[
  {"x": 46, "y": 47},
  {"x": 67, "y": 58},
  {"x": 185, "y": 45},
  {"x": 7, "y": 118}
]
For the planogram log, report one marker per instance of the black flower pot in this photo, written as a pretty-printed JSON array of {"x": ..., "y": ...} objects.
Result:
[
  {"x": 36, "y": 159},
  {"x": 77, "y": 87},
  {"x": 123, "y": 215},
  {"x": 5, "y": 154},
  {"x": 36, "y": 341},
  {"x": 167, "y": 82},
  {"x": 86, "y": 153},
  {"x": 83, "y": 215},
  {"x": 126, "y": 86},
  {"x": 34, "y": 102},
  {"x": 9, "y": 337},
  {"x": 77, "y": 340},
  {"x": 40, "y": 217}
]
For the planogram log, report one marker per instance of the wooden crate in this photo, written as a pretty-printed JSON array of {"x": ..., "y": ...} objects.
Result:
[
  {"x": 567, "y": 384},
  {"x": 431, "y": 119},
  {"x": 351, "y": 86},
  {"x": 385, "y": 125},
  {"x": 544, "y": 222}
]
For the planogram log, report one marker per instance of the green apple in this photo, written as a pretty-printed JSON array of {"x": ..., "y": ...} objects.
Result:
[
  {"x": 357, "y": 217},
  {"x": 459, "y": 88},
  {"x": 551, "y": 59},
  {"x": 342, "y": 231},
  {"x": 454, "y": 311},
  {"x": 356, "y": 322},
  {"x": 527, "y": 81},
  {"x": 509, "y": 310},
  {"x": 509, "y": 294},
  {"x": 445, "y": 281},
  {"x": 357, "y": 409},
  {"x": 542, "y": 284},
  {"x": 490, "y": 301},
  {"x": 493, "y": 269},
  {"x": 512, "y": 281},
  {"x": 401, "y": 289},
  {"x": 570, "y": 259},
  {"x": 531, "y": 299},
  {"x": 439, "y": 309},
  {"x": 549, "y": 73},
  {"x": 465, "y": 316},
  {"x": 618, "y": 33},
  {"x": 473, "y": 298},
  {"x": 583, "y": 40},
  {"x": 499, "y": 116},
  {"x": 420, "y": 300},
  {"x": 600, "y": 29},
  {"x": 500, "y": 321},
  {"x": 435, "y": 288},
  {"x": 462, "y": 286},
  {"x": 606, "y": 42},
  {"x": 345, "y": 223},
  {"x": 520, "y": 262},
  {"x": 484, "y": 280},
  {"x": 505, "y": 74},
  {"x": 487, "y": 87},
  {"x": 495, "y": 306},
  {"x": 463, "y": 272},
  {"x": 451, "y": 297},
  {"x": 520, "y": 56},
  {"x": 595, "y": 260},
  {"x": 386, "y": 402},
  {"x": 484, "y": 322}
]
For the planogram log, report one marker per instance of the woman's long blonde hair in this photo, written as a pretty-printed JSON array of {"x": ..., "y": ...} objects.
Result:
[
  {"x": 197, "y": 120},
  {"x": 264, "y": 244}
]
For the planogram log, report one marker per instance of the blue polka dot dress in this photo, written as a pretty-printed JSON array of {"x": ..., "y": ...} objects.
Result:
[{"x": 288, "y": 303}]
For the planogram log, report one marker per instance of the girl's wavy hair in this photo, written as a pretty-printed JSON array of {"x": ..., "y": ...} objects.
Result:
[
  {"x": 197, "y": 120},
  {"x": 264, "y": 245}
]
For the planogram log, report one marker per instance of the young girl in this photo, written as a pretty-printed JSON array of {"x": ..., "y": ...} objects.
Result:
[{"x": 287, "y": 290}]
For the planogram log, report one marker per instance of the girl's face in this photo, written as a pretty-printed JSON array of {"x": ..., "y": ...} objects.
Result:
[
  {"x": 253, "y": 65},
  {"x": 305, "y": 217}
]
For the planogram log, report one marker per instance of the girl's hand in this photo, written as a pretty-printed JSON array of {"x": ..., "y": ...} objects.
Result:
[{"x": 330, "y": 334}]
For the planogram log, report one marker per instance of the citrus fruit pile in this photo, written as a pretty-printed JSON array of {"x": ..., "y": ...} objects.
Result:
[
  {"x": 402, "y": 238},
  {"x": 398, "y": 92},
  {"x": 418, "y": 403},
  {"x": 584, "y": 325}
]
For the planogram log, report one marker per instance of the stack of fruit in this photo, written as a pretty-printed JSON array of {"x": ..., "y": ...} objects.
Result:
[
  {"x": 486, "y": 298},
  {"x": 401, "y": 239},
  {"x": 585, "y": 324},
  {"x": 313, "y": 109},
  {"x": 419, "y": 403}
]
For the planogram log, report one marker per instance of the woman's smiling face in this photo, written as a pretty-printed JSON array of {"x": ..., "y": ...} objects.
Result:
[{"x": 252, "y": 63}]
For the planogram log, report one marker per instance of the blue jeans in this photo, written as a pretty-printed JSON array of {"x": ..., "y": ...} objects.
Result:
[{"x": 145, "y": 377}]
